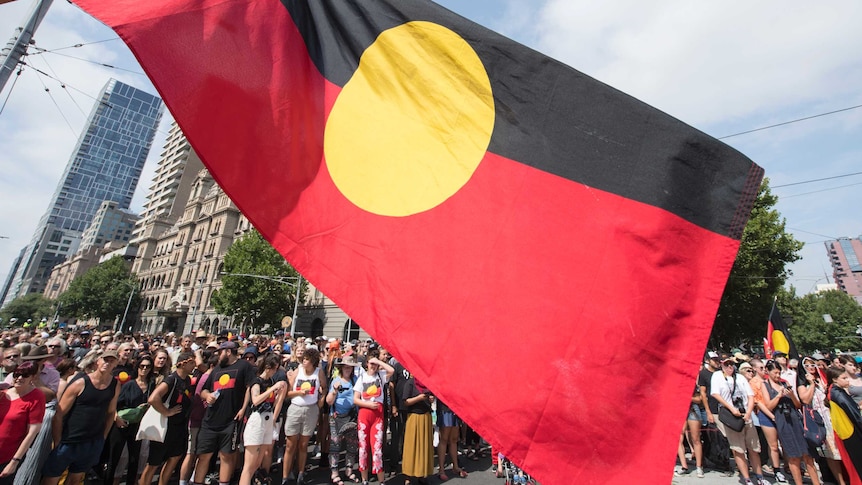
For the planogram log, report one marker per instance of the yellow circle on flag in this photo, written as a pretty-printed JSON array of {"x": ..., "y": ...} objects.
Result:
[
  {"x": 372, "y": 390},
  {"x": 412, "y": 124},
  {"x": 841, "y": 423},
  {"x": 223, "y": 380},
  {"x": 305, "y": 386},
  {"x": 779, "y": 342},
  {"x": 123, "y": 376}
]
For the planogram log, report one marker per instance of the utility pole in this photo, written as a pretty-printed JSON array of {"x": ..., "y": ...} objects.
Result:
[{"x": 11, "y": 54}]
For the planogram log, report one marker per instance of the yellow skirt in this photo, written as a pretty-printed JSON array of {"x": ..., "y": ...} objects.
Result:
[{"x": 418, "y": 457}]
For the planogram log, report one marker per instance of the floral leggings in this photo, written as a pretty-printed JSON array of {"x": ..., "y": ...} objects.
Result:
[
  {"x": 336, "y": 424},
  {"x": 370, "y": 431}
]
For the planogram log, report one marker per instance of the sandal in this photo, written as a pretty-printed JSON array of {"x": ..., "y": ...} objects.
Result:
[
  {"x": 461, "y": 473},
  {"x": 443, "y": 477},
  {"x": 336, "y": 479},
  {"x": 353, "y": 478}
]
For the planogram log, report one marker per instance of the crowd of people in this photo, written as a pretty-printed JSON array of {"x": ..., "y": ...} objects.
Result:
[
  {"x": 774, "y": 417},
  {"x": 229, "y": 407}
]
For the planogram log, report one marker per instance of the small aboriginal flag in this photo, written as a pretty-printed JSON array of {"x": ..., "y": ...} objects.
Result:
[
  {"x": 472, "y": 204},
  {"x": 778, "y": 337}
]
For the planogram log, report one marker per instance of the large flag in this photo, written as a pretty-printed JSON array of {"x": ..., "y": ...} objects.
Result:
[{"x": 544, "y": 252}]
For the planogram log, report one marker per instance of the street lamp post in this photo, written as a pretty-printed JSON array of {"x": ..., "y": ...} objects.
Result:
[
  {"x": 287, "y": 280},
  {"x": 128, "y": 304}
]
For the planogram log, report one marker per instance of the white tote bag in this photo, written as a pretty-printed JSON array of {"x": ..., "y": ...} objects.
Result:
[{"x": 154, "y": 425}]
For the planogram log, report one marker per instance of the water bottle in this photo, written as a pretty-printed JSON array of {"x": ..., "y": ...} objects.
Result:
[{"x": 215, "y": 394}]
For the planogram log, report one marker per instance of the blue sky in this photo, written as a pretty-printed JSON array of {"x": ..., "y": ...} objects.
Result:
[{"x": 723, "y": 67}]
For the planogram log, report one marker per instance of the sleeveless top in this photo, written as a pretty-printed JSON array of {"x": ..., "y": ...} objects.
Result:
[
  {"x": 86, "y": 420},
  {"x": 856, "y": 393},
  {"x": 304, "y": 381}
]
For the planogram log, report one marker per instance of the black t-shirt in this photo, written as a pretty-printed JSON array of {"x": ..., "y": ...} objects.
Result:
[
  {"x": 263, "y": 386},
  {"x": 397, "y": 380},
  {"x": 182, "y": 395},
  {"x": 705, "y": 379},
  {"x": 231, "y": 382}
]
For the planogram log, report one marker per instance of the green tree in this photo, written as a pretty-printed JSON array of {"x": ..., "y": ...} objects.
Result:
[
  {"x": 759, "y": 272},
  {"x": 33, "y": 306},
  {"x": 102, "y": 292},
  {"x": 267, "y": 291},
  {"x": 808, "y": 320}
]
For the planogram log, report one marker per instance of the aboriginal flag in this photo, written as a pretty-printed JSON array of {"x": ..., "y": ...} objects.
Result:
[
  {"x": 778, "y": 337},
  {"x": 544, "y": 252}
]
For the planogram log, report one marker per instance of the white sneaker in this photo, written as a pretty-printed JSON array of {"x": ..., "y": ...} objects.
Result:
[
  {"x": 763, "y": 481},
  {"x": 699, "y": 472},
  {"x": 779, "y": 477}
]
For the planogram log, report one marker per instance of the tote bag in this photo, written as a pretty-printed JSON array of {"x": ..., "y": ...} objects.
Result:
[{"x": 154, "y": 425}]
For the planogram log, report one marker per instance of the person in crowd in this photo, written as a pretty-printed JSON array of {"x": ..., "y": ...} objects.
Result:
[
  {"x": 845, "y": 415},
  {"x": 306, "y": 399},
  {"x": 449, "y": 425},
  {"x": 11, "y": 360},
  {"x": 57, "y": 348},
  {"x": 266, "y": 399},
  {"x": 84, "y": 416},
  {"x": 184, "y": 346},
  {"x": 733, "y": 392},
  {"x": 766, "y": 418},
  {"x": 852, "y": 371},
  {"x": 208, "y": 361},
  {"x": 131, "y": 405},
  {"x": 47, "y": 378},
  {"x": 819, "y": 402},
  {"x": 342, "y": 411},
  {"x": 22, "y": 408},
  {"x": 172, "y": 399},
  {"x": 783, "y": 403},
  {"x": 417, "y": 461},
  {"x": 368, "y": 397},
  {"x": 226, "y": 394},
  {"x": 162, "y": 364},
  {"x": 692, "y": 430}
]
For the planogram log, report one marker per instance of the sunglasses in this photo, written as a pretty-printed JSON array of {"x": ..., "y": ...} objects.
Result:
[
  {"x": 249, "y": 357},
  {"x": 748, "y": 370},
  {"x": 144, "y": 366},
  {"x": 13, "y": 356},
  {"x": 18, "y": 375},
  {"x": 104, "y": 342},
  {"x": 54, "y": 346}
]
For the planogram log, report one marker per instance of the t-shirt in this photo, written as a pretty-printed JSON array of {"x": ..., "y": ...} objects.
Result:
[
  {"x": 723, "y": 385},
  {"x": 15, "y": 417},
  {"x": 344, "y": 400},
  {"x": 306, "y": 382},
  {"x": 267, "y": 406},
  {"x": 231, "y": 382},
  {"x": 179, "y": 392},
  {"x": 370, "y": 386},
  {"x": 704, "y": 378}
]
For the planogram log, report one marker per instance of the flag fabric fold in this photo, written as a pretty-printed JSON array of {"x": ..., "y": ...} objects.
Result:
[{"x": 544, "y": 252}]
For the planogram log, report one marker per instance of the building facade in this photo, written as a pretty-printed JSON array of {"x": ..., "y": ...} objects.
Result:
[
  {"x": 105, "y": 166},
  {"x": 845, "y": 255}
]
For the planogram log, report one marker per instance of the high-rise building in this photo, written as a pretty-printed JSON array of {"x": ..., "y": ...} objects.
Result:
[
  {"x": 168, "y": 193},
  {"x": 105, "y": 166},
  {"x": 845, "y": 255}
]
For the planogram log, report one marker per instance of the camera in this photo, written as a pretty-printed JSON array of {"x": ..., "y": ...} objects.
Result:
[{"x": 738, "y": 404}]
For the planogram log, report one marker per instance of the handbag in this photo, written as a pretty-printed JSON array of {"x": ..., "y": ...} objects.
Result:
[
  {"x": 133, "y": 415},
  {"x": 729, "y": 419},
  {"x": 814, "y": 428},
  {"x": 154, "y": 425}
]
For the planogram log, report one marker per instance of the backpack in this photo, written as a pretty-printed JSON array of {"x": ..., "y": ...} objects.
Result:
[{"x": 813, "y": 426}]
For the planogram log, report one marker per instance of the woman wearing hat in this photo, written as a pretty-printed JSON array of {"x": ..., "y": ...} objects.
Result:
[
  {"x": 22, "y": 408},
  {"x": 342, "y": 411}
]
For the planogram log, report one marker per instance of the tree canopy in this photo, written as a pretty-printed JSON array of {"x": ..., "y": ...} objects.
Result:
[
  {"x": 102, "y": 292},
  {"x": 258, "y": 286},
  {"x": 821, "y": 321},
  {"x": 759, "y": 272},
  {"x": 32, "y": 306}
]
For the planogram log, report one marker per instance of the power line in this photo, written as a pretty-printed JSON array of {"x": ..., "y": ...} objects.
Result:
[
  {"x": 55, "y": 102},
  {"x": 102, "y": 64},
  {"x": 790, "y": 122},
  {"x": 822, "y": 190},
  {"x": 817, "y": 180}
]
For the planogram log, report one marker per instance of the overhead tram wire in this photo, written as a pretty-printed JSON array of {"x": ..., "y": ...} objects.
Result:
[
  {"x": 63, "y": 85},
  {"x": 83, "y": 44},
  {"x": 44, "y": 51},
  {"x": 822, "y": 190},
  {"x": 9, "y": 93},
  {"x": 791, "y": 122},
  {"x": 54, "y": 101},
  {"x": 816, "y": 180}
]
